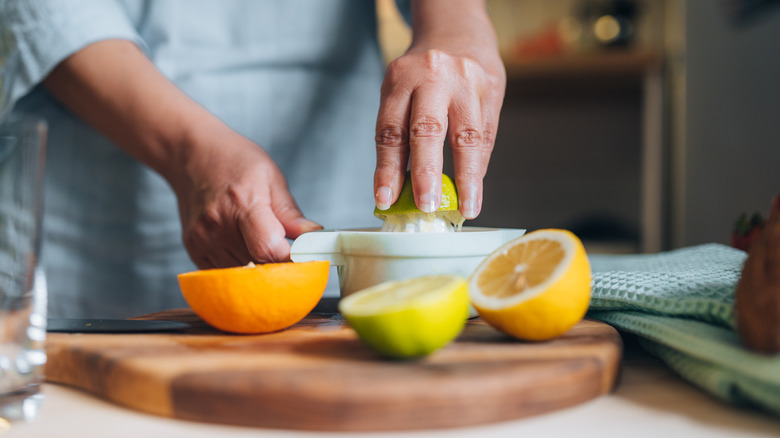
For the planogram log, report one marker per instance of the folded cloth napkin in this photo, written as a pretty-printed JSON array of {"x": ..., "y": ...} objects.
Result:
[{"x": 681, "y": 305}]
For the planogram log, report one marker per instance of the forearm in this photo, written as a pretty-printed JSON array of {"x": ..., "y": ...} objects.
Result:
[
  {"x": 233, "y": 200},
  {"x": 113, "y": 87}
]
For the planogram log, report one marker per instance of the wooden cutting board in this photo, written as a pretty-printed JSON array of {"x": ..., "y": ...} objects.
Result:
[{"x": 317, "y": 375}]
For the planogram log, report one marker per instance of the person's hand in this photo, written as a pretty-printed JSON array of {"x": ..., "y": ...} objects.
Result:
[
  {"x": 448, "y": 85},
  {"x": 758, "y": 291},
  {"x": 234, "y": 203}
]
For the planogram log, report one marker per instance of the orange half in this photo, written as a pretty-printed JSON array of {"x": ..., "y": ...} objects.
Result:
[{"x": 255, "y": 298}]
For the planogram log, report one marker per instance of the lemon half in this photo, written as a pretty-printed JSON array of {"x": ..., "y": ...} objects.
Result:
[
  {"x": 404, "y": 215},
  {"x": 535, "y": 287},
  {"x": 410, "y": 318}
]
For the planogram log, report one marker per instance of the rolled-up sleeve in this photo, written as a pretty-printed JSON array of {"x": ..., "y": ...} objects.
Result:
[{"x": 37, "y": 35}]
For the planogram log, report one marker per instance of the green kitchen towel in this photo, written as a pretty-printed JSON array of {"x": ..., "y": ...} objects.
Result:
[{"x": 681, "y": 305}]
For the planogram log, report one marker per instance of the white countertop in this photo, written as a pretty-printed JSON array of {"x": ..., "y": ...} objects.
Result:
[{"x": 649, "y": 401}]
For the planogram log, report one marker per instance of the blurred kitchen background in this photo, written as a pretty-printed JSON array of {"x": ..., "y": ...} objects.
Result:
[{"x": 641, "y": 125}]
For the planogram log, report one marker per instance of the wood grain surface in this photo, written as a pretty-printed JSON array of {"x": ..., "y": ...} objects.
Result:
[{"x": 317, "y": 375}]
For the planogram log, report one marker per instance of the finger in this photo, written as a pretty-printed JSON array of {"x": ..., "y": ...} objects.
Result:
[
  {"x": 287, "y": 212},
  {"x": 206, "y": 257},
  {"x": 201, "y": 260},
  {"x": 193, "y": 247},
  {"x": 238, "y": 250},
  {"x": 264, "y": 235},
  {"x": 212, "y": 228},
  {"x": 231, "y": 250},
  {"x": 392, "y": 141},
  {"x": 227, "y": 258},
  {"x": 491, "y": 110},
  {"x": 427, "y": 130},
  {"x": 465, "y": 137}
]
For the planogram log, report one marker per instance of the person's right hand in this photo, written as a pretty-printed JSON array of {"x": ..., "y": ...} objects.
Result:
[{"x": 234, "y": 203}]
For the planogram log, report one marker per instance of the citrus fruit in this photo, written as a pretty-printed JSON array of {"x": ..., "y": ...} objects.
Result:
[
  {"x": 535, "y": 287},
  {"x": 404, "y": 215},
  {"x": 255, "y": 298},
  {"x": 409, "y": 318}
]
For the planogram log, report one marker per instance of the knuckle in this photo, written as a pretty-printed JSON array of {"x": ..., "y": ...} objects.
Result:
[
  {"x": 394, "y": 69},
  {"x": 497, "y": 83},
  {"x": 209, "y": 219},
  {"x": 240, "y": 198},
  {"x": 468, "y": 68},
  {"x": 427, "y": 169},
  {"x": 435, "y": 59},
  {"x": 467, "y": 138},
  {"x": 472, "y": 174},
  {"x": 234, "y": 195},
  {"x": 396, "y": 74},
  {"x": 391, "y": 135},
  {"x": 388, "y": 164},
  {"x": 427, "y": 126},
  {"x": 469, "y": 175}
]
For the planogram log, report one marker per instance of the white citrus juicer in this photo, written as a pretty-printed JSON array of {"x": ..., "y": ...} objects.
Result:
[{"x": 366, "y": 257}]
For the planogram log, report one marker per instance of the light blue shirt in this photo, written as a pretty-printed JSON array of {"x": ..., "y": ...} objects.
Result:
[{"x": 299, "y": 77}]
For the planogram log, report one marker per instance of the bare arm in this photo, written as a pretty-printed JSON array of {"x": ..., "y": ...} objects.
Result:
[
  {"x": 113, "y": 87},
  {"x": 449, "y": 85},
  {"x": 233, "y": 200}
]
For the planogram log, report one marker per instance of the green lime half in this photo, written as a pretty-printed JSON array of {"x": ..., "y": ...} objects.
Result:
[{"x": 410, "y": 318}]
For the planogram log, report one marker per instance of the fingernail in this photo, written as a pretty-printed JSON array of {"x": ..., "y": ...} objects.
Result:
[
  {"x": 383, "y": 197},
  {"x": 468, "y": 202},
  {"x": 427, "y": 202},
  {"x": 469, "y": 209}
]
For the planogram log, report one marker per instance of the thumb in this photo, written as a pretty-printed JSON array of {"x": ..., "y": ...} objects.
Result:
[
  {"x": 263, "y": 235},
  {"x": 288, "y": 213}
]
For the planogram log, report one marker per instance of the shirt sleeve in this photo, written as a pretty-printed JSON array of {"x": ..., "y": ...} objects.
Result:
[{"x": 35, "y": 36}]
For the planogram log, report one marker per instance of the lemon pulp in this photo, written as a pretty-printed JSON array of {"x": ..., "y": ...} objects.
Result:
[
  {"x": 404, "y": 216},
  {"x": 439, "y": 222},
  {"x": 535, "y": 287},
  {"x": 409, "y": 318}
]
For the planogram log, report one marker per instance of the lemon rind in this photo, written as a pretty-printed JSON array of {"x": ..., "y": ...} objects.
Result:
[{"x": 565, "y": 238}]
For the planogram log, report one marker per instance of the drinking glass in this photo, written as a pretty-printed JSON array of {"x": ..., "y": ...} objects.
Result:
[{"x": 22, "y": 281}]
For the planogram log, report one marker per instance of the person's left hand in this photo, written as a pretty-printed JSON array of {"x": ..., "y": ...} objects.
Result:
[{"x": 449, "y": 85}]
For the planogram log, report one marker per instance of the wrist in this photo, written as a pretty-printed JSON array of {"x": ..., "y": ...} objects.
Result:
[
  {"x": 459, "y": 28},
  {"x": 191, "y": 144},
  {"x": 453, "y": 22}
]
